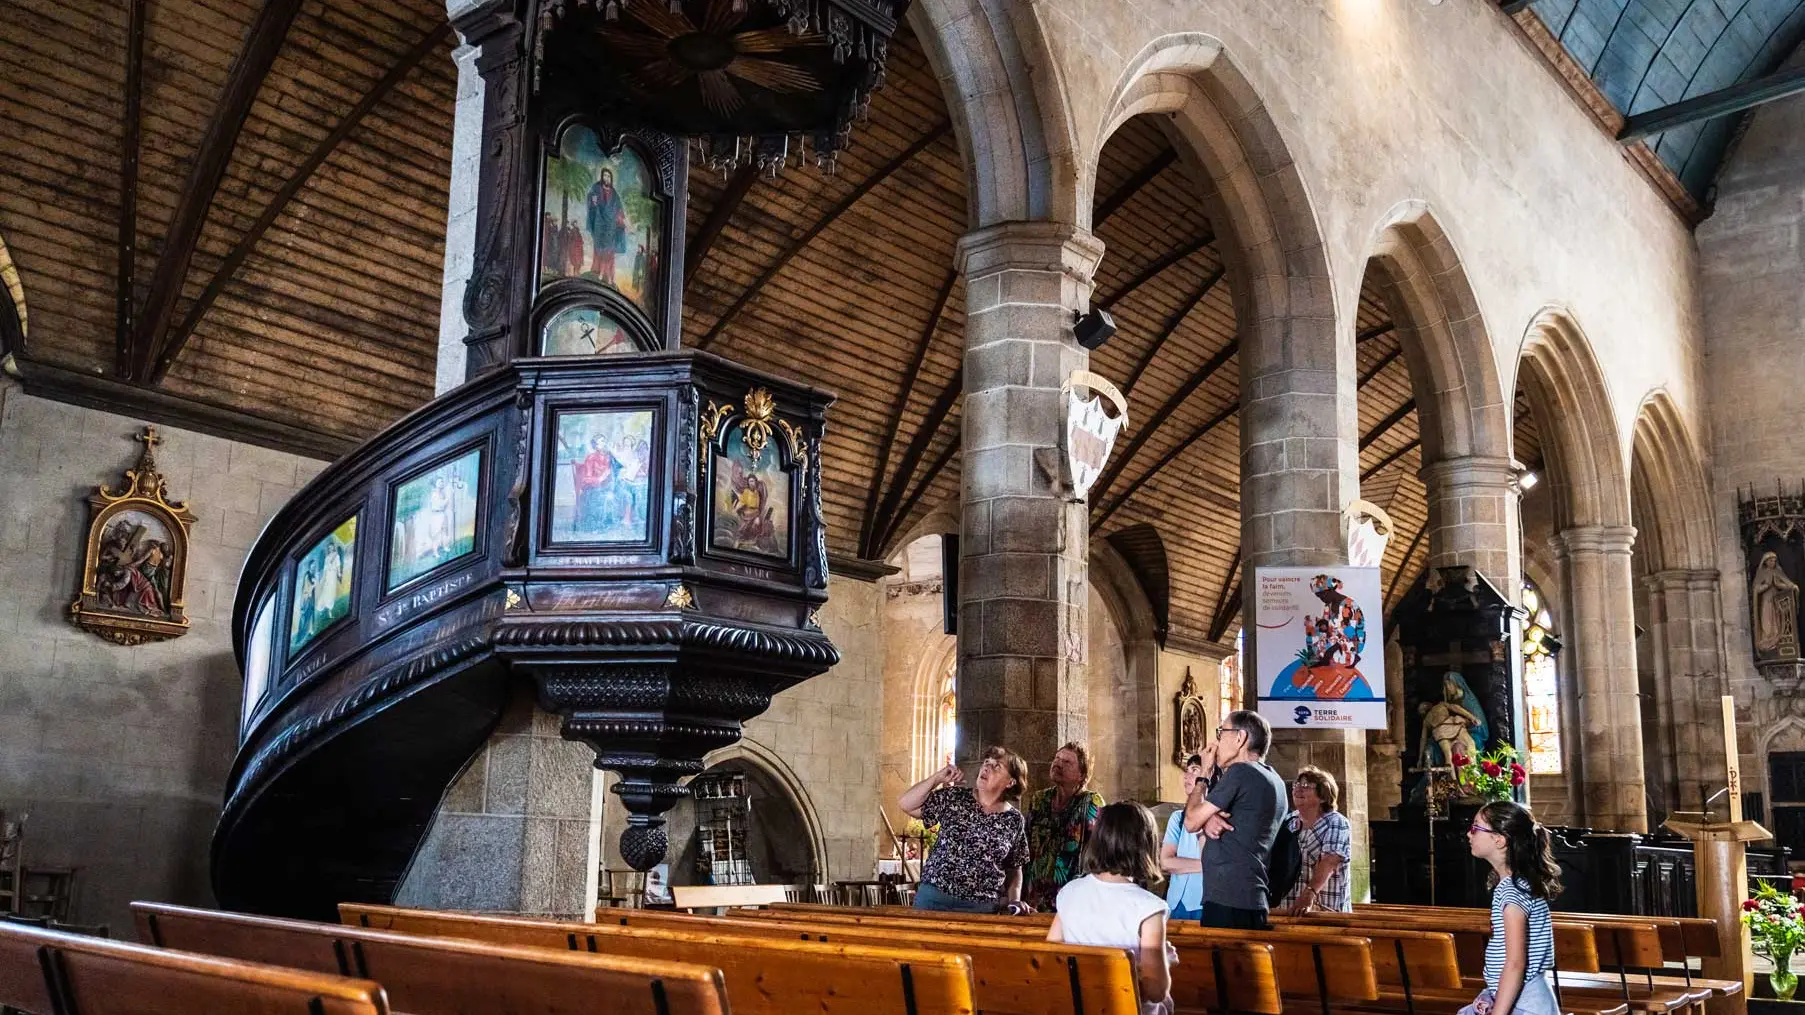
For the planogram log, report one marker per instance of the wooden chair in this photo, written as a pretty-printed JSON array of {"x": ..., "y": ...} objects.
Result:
[
  {"x": 424, "y": 976},
  {"x": 47, "y": 972},
  {"x": 763, "y": 975}
]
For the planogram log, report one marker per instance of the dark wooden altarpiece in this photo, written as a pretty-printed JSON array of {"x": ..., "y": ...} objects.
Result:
[{"x": 633, "y": 527}]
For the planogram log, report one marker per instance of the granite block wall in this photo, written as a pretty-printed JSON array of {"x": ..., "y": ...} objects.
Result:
[{"x": 118, "y": 755}]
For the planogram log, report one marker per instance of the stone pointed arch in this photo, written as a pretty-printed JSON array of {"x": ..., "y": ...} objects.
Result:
[
  {"x": 1668, "y": 480},
  {"x": 1295, "y": 372},
  {"x": 1453, "y": 368},
  {"x": 1587, "y": 477},
  {"x": 1124, "y": 703},
  {"x": 1461, "y": 411},
  {"x": 1572, "y": 403},
  {"x": 786, "y": 780},
  {"x": 1002, "y": 90},
  {"x": 1679, "y": 603}
]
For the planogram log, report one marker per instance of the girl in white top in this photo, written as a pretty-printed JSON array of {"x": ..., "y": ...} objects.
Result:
[{"x": 1107, "y": 907}]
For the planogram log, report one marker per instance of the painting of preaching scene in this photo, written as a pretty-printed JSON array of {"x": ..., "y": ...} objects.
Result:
[
  {"x": 323, "y": 585},
  {"x": 603, "y": 484},
  {"x": 751, "y": 500},
  {"x": 584, "y": 331},
  {"x": 434, "y": 518},
  {"x": 133, "y": 567},
  {"x": 599, "y": 219}
]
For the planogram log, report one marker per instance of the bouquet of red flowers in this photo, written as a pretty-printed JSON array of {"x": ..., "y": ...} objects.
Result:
[{"x": 1493, "y": 777}]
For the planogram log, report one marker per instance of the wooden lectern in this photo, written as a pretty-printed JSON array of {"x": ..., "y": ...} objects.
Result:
[{"x": 1719, "y": 852}]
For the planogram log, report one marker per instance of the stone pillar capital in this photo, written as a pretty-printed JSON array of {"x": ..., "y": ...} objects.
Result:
[
  {"x": 1581, "y": 539},
  {"x": 1683, "y": 579},
  {"x": 1469, "y": 471},
  {"x": 1033, "y": 247}
]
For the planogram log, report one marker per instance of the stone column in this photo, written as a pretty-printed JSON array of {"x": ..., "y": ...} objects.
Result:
[
  {"x": 1300, "y": 464},
  {"x": 460, "y": 212},
  {"x": 1600, "y": 658},
  {"x": 1685, "y": 624},
  {"x": 514, "y": 832},
  {"x": 1024, "y": 546},
  {"x": 1473, "y": 518}
]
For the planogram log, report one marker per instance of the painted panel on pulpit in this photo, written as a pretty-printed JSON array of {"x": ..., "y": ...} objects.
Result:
[
  {"x": 603, "y": 486},
  {"x": 599, "y": 219},
  {"x": 323, "y": 580},
  {"x": 585, "y": 331},
  {"x": 751, "y": 499},
  {"x": 434, "y": 518}
]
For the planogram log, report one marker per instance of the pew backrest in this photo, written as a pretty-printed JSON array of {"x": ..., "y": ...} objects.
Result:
[
  {"x": 1415, "y": 959},
  {"x": 1014, "y": 972},
  {"x": 428, "y": 976},
  {"x": 1251, "y": 986},
  {"x": 763, "y": 975},
  {"x": 100, "y": 977}
]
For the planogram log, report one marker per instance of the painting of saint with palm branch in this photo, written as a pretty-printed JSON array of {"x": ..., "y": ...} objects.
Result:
[{"x": 599, "y": 220}]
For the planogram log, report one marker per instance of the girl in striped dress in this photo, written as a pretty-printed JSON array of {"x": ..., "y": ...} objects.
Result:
[{"x": 1525, "y": 878}]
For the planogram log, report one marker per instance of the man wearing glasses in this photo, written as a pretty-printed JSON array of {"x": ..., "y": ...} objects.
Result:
[{"x": 1241, "y": 817}]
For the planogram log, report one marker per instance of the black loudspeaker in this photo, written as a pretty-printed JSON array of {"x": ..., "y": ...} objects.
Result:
[
  {"x": 949, "y": 582},
  {"x": 1094, "y": 329}
]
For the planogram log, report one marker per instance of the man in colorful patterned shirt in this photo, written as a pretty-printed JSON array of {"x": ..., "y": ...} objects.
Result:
[{"x": 1060, "y": 819}]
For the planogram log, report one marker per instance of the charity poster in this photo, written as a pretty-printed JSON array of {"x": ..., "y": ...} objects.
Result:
[{"x": 1319, "y": 649}]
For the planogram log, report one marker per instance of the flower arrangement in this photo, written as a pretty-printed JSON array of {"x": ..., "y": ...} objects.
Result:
[
  {"x": 924, "y": 834},
  {"x": 1776, "y": 923},
  {"x": 1495, "y": 776}
]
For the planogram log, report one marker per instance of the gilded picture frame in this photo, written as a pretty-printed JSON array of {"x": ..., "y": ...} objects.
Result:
[{"x": 135, "y": 560}]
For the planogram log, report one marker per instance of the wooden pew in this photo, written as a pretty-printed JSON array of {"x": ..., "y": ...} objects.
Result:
[
  {"x": 1348, "y": 969},
  {"x": 764, "y": 976},
  {"x": 48, "y": 972},
  {"x": 1682, "y": 939},
  {"x": 425, "y": 976},
  {"x": 1425, "y": 969},
  {"x": 1577, "y": 956},
  {"x": 1011, "y": 967},
  {"x": 1013, "y": 973}
]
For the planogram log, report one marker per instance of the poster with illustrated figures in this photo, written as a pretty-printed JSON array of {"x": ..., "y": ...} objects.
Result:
[{"x": 1319, "y": 651}]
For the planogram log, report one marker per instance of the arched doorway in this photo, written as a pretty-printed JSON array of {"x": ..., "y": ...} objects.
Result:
[{"x": 748, "y": 823}]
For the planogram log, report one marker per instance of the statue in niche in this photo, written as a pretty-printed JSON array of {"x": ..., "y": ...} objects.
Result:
[
  {"x": 1773, "y": 612},
  {"x": 1454, "y": 725}
]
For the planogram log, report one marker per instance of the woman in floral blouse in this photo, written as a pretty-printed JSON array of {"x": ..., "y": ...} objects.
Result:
[
  {"x": 1060, "y": 819},
  {"x": 976, "y": 863}
]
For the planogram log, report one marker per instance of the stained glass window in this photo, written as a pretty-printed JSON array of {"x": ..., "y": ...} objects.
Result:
[
  {"x": 948, "y": 738},
  {"x": 1231, "y": 681},
  {"x": 1541, "y": 683}
]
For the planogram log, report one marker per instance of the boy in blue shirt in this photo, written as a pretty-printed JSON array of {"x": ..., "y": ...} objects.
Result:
[{"x": 1180, "y": 856}]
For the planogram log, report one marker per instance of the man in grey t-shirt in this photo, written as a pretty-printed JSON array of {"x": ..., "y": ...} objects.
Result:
[{"x": 1241, "y": 818}]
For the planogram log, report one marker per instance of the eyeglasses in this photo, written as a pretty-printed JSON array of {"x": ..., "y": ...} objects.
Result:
[
  {"x": 1477, "y": 827},
  {"x": 1220, "y": 730}
]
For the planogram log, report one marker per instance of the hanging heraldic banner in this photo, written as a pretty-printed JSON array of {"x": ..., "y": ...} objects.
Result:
[{"x": 1312, "y": 657}]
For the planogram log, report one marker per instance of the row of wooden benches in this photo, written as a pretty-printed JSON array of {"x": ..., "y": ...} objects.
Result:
[{"x": 792, "y": 958}]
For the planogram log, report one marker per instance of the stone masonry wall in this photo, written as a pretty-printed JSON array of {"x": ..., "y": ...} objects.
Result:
[
  {"x": 119, "y": 755},
  {"x": 826, "y": 731},
  {"x": 1752, "y": 283}
]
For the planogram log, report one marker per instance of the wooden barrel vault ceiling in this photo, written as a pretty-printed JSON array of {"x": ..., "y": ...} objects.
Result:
[{"x": 286, "y": 274}]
